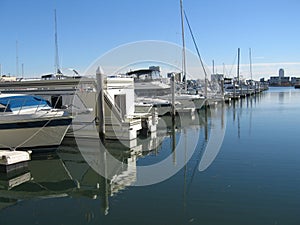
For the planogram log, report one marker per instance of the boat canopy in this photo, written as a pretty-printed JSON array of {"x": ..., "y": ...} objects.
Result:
[{"x": 13, "y": 103}]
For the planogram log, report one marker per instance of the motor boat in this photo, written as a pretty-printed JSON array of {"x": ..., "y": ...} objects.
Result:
[{"x": 30, "y": 122}]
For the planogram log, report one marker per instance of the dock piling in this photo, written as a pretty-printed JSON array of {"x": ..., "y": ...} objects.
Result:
[
  {"x": 173, "y": 97},
  {"x": 100, "y": 103}
]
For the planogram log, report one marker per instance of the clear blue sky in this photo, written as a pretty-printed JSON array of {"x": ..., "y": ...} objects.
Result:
[{"x": 87, "y": 29}]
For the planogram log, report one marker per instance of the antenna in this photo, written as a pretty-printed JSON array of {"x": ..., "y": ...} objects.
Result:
[{"x": 56, "y": 66}]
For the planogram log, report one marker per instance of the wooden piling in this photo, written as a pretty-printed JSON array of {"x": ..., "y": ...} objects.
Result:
[{"x": 100, "y": 103}]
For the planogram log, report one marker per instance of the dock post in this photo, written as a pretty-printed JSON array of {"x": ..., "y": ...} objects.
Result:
[
  {"x": 173, "y": 135},
  {"x": 234, "y": 91},
  {"x": 173, "y": 114},
  {"x": 100, "y": 103},
  {"x": 222, "y": 88},
  {"x": 206, "y": 124},
  {"x": 173, "y": 97}
]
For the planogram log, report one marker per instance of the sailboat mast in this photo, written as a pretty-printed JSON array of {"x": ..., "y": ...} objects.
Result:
[
  {"x": 56, "y": 66},
  {"x": 205, "y": 74},
  {"x": 238, "y": 66},
  {"x": 17, "y": 59},
  {"x": 250, "y": 58},
  {"x": 22, "y": 70},
  {"x": 183, "y": 47}
]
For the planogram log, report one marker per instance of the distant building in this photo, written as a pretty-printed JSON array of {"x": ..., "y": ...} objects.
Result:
[
  {"x": 280, "y": 80},
  {"x": 274, "y": 81},
  {"x": 295, "y": 80},
  {"x": 284, "y": 81},
  {"x": 281, "y": 73}
]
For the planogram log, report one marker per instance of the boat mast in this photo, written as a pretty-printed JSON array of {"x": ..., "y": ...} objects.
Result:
[
  {"x": 17, "y": 60},
  {"x": 56, "y": 66},
  {"x": 250, "y": 58},
  {"x": 22, "y": 70},
  {"x": 199, "y": 56},
  {"x": 238, "y": 67},
  {"x": 183, "y": 48}
]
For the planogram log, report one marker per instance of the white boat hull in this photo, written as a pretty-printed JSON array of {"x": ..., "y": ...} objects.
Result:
[
  {"x": 190, "y": 103},
  {"x": 150, "y": 105},
  {"x": 33, "y": 135},
  {"x": 184, "y": 102}
]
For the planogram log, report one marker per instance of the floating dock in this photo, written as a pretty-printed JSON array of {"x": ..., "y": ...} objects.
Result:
[{"x": 13, "y": 160}]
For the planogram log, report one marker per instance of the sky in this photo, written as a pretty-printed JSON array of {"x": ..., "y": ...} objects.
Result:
[{"x": 89, "y": 29}]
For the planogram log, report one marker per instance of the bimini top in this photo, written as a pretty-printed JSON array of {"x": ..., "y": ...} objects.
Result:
[{"x": 11, "y": 103}]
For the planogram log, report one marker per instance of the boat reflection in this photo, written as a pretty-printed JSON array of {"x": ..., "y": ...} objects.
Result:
[
  {"x": 46, "y": 177},
  {"x": 244, "y": 108},
  {"x": 73, "y": 170},
  {"x": 215, "y": 140},
  {"x": 66, "y": 174}
]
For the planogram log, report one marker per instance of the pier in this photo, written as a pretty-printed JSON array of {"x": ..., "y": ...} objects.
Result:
[{"x": 79, "y": 96}]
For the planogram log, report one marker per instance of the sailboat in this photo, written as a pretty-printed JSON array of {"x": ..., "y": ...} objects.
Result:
[
  {"x": 58, "y": 74},
  {"x": 186, "y": 102},
  {"x": 232, "y": 85}
]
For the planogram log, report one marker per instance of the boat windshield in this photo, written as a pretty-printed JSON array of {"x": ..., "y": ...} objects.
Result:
[{"x": 14, "y": 103}]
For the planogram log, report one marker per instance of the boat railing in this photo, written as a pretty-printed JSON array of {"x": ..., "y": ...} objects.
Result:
[
  {"x": 37, "y": 108},
  {"x": 6, "y": 106},
  {"x": 21, "y": 106}
]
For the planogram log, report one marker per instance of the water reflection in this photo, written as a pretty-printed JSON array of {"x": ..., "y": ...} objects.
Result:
[
  {"x": 217, "y": 133},
  {"x": 45, "y": 177},
  {"x": 281, "y": 97},
  {"x": 68, "y": 173},
  {"x": 241, "y": 108}
]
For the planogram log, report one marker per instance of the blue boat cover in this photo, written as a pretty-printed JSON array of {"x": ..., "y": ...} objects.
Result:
[{"x": 13, "y": 103}]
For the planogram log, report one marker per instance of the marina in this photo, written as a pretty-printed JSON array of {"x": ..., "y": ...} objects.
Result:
[
  {"x": 130, "y": 125},
  {"x": 236, "y": 185}
]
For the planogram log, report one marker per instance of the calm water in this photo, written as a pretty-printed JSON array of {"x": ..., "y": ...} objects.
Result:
[{"x": 253, "y": 178}]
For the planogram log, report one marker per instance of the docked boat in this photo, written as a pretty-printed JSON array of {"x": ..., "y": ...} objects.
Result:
[
  {"x": 150, "y": 105},
  {"x": 30, "y": 122},
  {"x": 152, "y": 91},
  {"x": 186, "y": 101}
]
